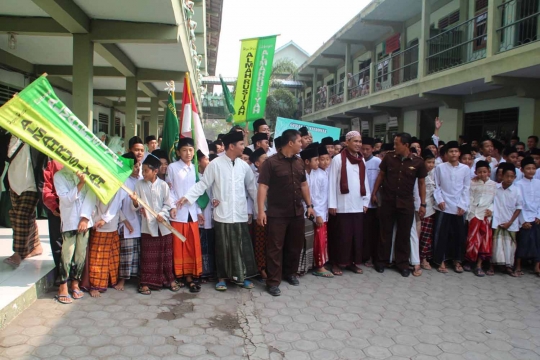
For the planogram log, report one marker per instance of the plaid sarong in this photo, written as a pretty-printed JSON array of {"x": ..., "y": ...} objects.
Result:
[
  {"x": 426, "y": 237},
  {"x": 104, "y": 259},
  {"x": 207, "y": 250},
  {"x": 129, "y": 257},
  {"x": 23, "y": 221},
  {"x": 156, "y": 261},
  {"x": 259, "y": 245}
]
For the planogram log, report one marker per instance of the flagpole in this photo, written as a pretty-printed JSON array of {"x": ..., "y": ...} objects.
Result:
[{"x": 151, "y": 211}]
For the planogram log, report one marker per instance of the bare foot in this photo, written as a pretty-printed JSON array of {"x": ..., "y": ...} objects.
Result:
[
  {"x": 38, "y": 250},
  {"x": 263, "y": 274},
  {"x": 95, "y": 293},
  {"x": 15, "y": 259},
  {"x": 120, "y": 285}
]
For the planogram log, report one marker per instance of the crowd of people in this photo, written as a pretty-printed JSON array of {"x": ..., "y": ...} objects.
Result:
[{"x": 282, "y": 206}]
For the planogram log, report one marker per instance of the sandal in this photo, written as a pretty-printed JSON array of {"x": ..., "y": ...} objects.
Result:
[
  {"x": 355, "y": 269},
  {"x": 510, "y": 272},
  {"x": 337, "y": 271},
  {"x": 425, "y": 266},
  {"x": 180, "y": 283},
  {"x": 175, "y": 287},
  {"x": 324, "y": 274},
  {"x": 519, "y": 272},
  {"x": 479, "y": 272},
  {"x": 64, "y": 299},
  {"x": 368, "y": 264},
  {"x": 458, "y": 268},
  {"x": 79, "y": 294},
  {"x": 442, "y": 270},
  {"x": 467, "y": 268},
  {"x": 142, "y": 291},
  {"x": 221, "y": 286},
  {"x": 417, "y": 272},
  {"x": 193, "y": 287},
  {"x": 247, "y": 284},
  {"x": 490, "y": 273}
]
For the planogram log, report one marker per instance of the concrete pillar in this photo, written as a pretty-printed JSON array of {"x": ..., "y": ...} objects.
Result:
[
  {"x": 463, "y": 10},
  {"x": 372, "y": 71},
  {"x": 347, "y": 71},
  {"x": 453, "y": 123},
  {"x": 131, "y": 108},
  {"x": 314, "y": 91},
  {"x": 423, "y": 50},
  {"x": 535, "y": 119},
  {"x": 154, "y": 111},
  {"x": 493, "y": 23},
  {"x": 83, "y": 75},
  {"x": 112, "y": 121},
  {"x": 411, "y": 122}
]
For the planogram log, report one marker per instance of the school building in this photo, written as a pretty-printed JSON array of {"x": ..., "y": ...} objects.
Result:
[
  {"x": 109, "y": 61},
  {"x": 400, "y": 63}
]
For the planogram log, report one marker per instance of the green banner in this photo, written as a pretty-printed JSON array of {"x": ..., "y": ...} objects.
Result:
[
  {"x": 261, "y": 77},
  {"x": 171, "y": 129},
  {"x": 38, "y": 117}
]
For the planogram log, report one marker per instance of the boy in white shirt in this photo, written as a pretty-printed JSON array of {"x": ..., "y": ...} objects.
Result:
[
  {"x": 479, "y": 238},
  {"x": 506, "y": 209},
  {"x": 182, "y": 175},
  {"x": 156, "y": 265},
  {"x": 206, "y": 228},
  {"x": 528, "y": 246},
  {"x": 77, "y": 203},
  {"x": 129, "y": 230},
  {"x": 452, "y": 180},
  {"x": 428, "y": 221}
]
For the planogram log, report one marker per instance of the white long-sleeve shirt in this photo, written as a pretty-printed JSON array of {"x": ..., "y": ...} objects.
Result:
[
  {"x": 506, "y": 202},
  {"x": 229, "y": 184},
  {"x": 157, "y": 196},
  {"x": 319, "y": 196},
  {"x": 74, "y": 205},
  {"x": 111, "y": 213},
  {"x": 208, "y": 210},
  {"x": 372, "y": 170},
  {"x": 530, "y": 190},
  {"x": 430, "y": 191},
  {"x": 130, "y": 214},
  {"x": 481, "y": 197},
  {"x": 352, "y": 202},
  {"x": 452, "y": 187},
  {"x": 182, "y": 177}
]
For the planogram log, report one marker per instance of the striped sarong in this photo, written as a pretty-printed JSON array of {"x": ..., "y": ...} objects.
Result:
[
  {"x": 104, "y": 259},
  {"x": 23, "y": 222}
]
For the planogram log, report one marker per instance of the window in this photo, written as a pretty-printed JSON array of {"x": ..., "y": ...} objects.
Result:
[
  {"x": 480, "y": 5},
  {"x": 449, "y": 20},
  {"x": 480, "y": 31},
  {"x": 382, "y": 67},
  {"x": 6, "y": 93},
  {"x": 380, "y": 131},
  {"x": 103, "y": 123}
]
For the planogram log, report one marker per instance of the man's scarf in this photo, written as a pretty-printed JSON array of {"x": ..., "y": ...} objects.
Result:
[{"x": 344, "y": 183}]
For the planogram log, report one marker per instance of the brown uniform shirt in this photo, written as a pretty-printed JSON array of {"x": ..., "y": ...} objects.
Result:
[
  {"x": 400, "y": 176},
  {"x": 283, "y": 176}
]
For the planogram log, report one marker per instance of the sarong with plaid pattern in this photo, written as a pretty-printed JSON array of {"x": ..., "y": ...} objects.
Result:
[
  {"x": 23, "y": 222},
  {"x": 104, "y": 259},
  {"x": 426, "y": 237},
  {"x": 129, "y": 257}
]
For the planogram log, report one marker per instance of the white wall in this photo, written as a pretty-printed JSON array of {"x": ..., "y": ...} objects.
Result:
[{"x": 292, "y": 53}]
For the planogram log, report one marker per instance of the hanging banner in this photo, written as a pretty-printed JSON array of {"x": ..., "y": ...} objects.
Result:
[
  {"x": 40, "y": 119},
  {"x": 318, "y": 131},
  {"x": 256, "y": 59}
]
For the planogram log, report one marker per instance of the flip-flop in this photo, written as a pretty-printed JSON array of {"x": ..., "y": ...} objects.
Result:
[
  {"x": 458, "y": 268},
  {"x": 11, "y": 263},
  {"x": 519, "y": 272},
  {"x": 443, "y": 270},
  {"x": 355, "y": 269},
  {"x": 175, "y": 287},
  {"x": 78, "y": 292},
  {"x": 221, "y": 286},
  {"x": 144, "y": 292},
  {"x": 479, "y": 272},
  {"x": 65, "y": 302},
  {"x": 425, "y": 266},
  {"x": 336, "y": 271},
  {"x": 490, "y": 273},
  {"x": 417, "y": 272},
  {"x": 247, "y": 284},
  {"x": 193, "y": 287},
  {"x": 510, "y": 272},
  {"x": 324, "y": 274}
]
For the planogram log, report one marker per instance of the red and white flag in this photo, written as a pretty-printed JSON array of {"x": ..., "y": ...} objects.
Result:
[{"x": 191, "y": 125}]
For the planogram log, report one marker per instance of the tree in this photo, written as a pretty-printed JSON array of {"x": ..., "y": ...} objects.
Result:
[{"x": 281, "y": 101}]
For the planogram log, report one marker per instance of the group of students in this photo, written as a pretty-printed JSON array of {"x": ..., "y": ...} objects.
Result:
[{"x": 472, "y": 209}]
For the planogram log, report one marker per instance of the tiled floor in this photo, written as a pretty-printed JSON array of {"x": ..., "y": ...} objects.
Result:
[{"x": 14, "y": 282}]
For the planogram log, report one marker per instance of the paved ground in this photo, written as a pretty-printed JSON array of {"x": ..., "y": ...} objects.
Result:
[{"x": 371, "y": 316}]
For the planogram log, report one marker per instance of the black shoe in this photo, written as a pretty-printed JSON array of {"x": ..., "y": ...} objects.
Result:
[
  {"x": 405, "y": 272},
  {"x": 378, "y": 268},
  {"x": 293, "y": 280},
  {"x": 273, "y": 290}
]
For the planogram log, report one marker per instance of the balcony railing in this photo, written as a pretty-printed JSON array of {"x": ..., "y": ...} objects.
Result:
[
  {"x": 397, "y": 69},
  {"x": 520, "y": 23},
  {"x": 461, "y": 44},
  {"x": 335, "y": 93},
  {"x": 321, "y": 98},
  {"x": 359, "y": 84},
  {"x": 307, "y": 105}
]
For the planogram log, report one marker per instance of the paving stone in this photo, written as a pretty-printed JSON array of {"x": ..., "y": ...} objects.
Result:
[
  {"x": 48, "y": 351},
  {"x": 75, "y": 352},
  {"x": 107, "y": 350},
  {"x": 377, "y": 352},
  {"x": 305, "y": 345},
  {"x": 13, "y": 340},
  {"x": 191, "y": 350},
  {"x": 428, "y": 349}
]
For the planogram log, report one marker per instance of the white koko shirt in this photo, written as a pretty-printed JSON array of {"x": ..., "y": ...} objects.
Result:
[
  {"x": 352, "y": 202},
  {"x": 505, "y": 204},
  {"x": 452, "y": 187},
  {"x": 182, "y": 177},
  {"x": 530, "y": 190}
]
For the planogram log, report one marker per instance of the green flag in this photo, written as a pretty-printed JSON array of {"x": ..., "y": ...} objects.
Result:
[
  {"x": 171, "y": 129},
  {"x": 40, "y": 119},
  {"x": 229, "y": 102}
]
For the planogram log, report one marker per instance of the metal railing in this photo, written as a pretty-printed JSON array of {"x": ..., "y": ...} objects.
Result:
[
  {"x": 321, "y": 98},
  {"x": 358, "y": 84},
  {"x": 335, "y": 93},
  {"x": 520, "y": 23},
  {"x": 460, "y": 44},
  {"x": 307, "y": 105},
  {"x": 397, "y": 69}
]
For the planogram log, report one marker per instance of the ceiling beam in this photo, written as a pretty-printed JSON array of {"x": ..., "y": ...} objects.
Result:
[
  {"x": 159, "y": 75},
  {"x": 67, "y": 13},
  {"x": 31, "y": 26},
  {"x": 67, "y": 70},
  {"x": 61, "y": 83},
  {"x": 325, "y": 67},
  {"x": 365, "y": 44},
  {"x": 115, "y": 93},
  {"x": 110, "y": 31},
  {"x": 449, "y": 101},
  {"x": 391, "y": 111},
  {"x": 122, "y": 104},
  {"x": 395, "y": 25},
  {"x": 333, "y": 56},
  {"x": 15, "y": 62},
  {"x": 117, "y": 58},
  {"x": 148, "y": 89}
]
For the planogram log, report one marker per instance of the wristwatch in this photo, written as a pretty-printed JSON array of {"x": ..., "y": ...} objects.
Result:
[
  {"x": 423, "y": 205},
  {"x": 309, "y": 206}
]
